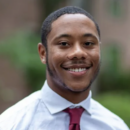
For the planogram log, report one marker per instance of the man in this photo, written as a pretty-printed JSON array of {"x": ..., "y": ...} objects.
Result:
[{"x": 71, "y": 50}]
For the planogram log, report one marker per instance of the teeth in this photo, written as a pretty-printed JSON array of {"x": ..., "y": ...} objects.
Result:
[{"x": 77, "y": 69}]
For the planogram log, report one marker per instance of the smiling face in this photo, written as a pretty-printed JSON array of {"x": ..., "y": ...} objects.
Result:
[{"x": 73, "y": 53}]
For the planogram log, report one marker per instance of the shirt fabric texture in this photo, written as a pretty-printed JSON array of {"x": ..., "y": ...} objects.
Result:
[{"x": 43, "y": 110}]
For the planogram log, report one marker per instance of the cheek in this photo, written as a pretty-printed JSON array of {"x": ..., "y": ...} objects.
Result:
[
  {"x": 55, "y": 58},
  {"x": 96, "y": 56}
]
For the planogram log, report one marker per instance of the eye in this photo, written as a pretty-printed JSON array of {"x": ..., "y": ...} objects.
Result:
[
  {"x": 89, "y": 43},
  {"x": 64, "y": 44}
]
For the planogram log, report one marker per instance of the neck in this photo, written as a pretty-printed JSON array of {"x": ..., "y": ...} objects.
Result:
[{"x": 74, "y": 97}]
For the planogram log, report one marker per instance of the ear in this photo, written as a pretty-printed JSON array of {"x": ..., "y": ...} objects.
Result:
[{"x": 42, "y": 52}]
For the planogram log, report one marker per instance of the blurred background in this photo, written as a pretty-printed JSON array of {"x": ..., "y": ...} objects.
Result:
[{"x": 21, "y": 71}]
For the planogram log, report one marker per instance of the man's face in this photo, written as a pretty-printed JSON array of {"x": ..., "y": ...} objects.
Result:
[{"x": 73, "y": 53}]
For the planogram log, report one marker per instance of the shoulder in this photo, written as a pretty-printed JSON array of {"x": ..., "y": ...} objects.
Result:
[
  {"x": 19, "y": 111},
  {"x": 102, "y": 113}
]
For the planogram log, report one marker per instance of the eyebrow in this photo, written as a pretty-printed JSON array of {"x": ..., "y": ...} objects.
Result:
[
  {"x": 90, "y": 35},
  {"x": 63, "y": 35},
  {"x": 85, "y": 35}
]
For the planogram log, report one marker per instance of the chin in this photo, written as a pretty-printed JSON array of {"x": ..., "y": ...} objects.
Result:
[{"x": 78, "y": 90}]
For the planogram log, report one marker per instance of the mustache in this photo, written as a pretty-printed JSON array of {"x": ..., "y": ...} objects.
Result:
[{"x": 77, "y": 62}]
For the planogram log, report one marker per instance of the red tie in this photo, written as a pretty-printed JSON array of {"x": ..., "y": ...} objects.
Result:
[{"x": 75, "y": 115}]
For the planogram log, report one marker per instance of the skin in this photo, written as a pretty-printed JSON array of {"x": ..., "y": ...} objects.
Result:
[{"x": 72, "y": 43}]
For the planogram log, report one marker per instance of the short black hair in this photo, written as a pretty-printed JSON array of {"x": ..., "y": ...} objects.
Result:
[{"x": 46, "y": 26}]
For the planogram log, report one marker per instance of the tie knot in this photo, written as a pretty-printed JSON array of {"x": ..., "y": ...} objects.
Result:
[{"x": 74, "y": 114}]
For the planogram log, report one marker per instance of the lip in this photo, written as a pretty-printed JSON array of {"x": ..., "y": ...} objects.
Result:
[
  {"x": 79, "y": 73},
  {"x": 76, "y": 66}
]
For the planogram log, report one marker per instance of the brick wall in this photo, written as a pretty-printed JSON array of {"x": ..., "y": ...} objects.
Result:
[
  {"x": 18, "y": 14},
  {"x": 114, "y": 28},
  {"x": 15, "y": 15}
]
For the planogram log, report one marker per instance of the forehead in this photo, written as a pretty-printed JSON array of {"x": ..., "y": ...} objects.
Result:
[
  {"x": 71, "y": 17},
  {"x": 79, "y": 23}
]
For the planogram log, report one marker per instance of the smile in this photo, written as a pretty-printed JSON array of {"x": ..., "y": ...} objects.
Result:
[{"x": 77, "y": 69}]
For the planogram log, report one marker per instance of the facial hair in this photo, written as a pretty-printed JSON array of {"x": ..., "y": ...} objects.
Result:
[{"x": 63, "y": 85}]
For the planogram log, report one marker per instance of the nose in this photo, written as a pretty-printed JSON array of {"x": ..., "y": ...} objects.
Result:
[{"x": 77, "y": 52}]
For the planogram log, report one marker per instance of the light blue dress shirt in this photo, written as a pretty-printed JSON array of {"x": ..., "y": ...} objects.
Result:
[{"x": 43, "y": 110}]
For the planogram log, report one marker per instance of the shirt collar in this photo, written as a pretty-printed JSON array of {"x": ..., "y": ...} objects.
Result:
[{"x": 55, "y": 103}]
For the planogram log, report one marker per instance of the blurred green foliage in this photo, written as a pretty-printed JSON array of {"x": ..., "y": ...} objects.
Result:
[
  {"x": 118, "y": 102},
  {"x": 21, "y": 50},
  {"x": 112, "y": 77},
  {"x": 115, "y": 8},
  {"x": 116, "y": 82}
]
